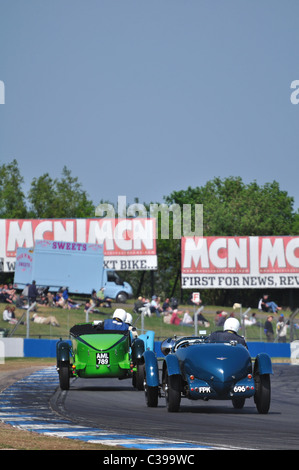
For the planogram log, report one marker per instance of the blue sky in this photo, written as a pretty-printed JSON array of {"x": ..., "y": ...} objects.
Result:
[{"x": 144, "y": 97}]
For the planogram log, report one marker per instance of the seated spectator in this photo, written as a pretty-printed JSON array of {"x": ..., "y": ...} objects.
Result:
[
  {"x": 268, "y": 306},
  {"x": 88, "y": 307},
  {"x": 59, "y": 300},
  {"x": 11, "y": 292},
  {"x": 174, "y": 303},
  {"x": 138, "y": 304},
  {"x": 247, "y": 321},
  {"x": 20, "y": 302},
  {"x": 142, "y": 306},
  {"x": 68, "y": 302},
  {"x": 50, "y": 298},
  {"x": 155, "y": 306},
  {"x": 6, "y": 294},
  {"x": 167, "y": 316},
  {"x": 102, "y": 299},
  {"x": 220, "y": 317},
  {"x": 51, "y": 320},
  {"x": 201, "y": 319},
  {"x": 187, "y": 319},
  {"x": 9, "y": 314},
  {"x": 2, "y": 298},
  {"x": 166, "y": 305},
  {"x": 175, "y": 317}
]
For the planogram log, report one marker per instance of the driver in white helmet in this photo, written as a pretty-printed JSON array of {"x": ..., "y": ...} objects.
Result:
[
  {"x": 230, "y": 333},
  {"x": 117, "y": 322}
]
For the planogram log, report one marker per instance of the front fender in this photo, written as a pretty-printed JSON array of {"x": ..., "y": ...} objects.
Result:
[
  {"x": 173, "y": 366},
  {"x": 63, "y": 352},
  {"x": 263, "y": 364},
  {"x": 151, "y": 369},
  {"x": 137, "y": 350}
]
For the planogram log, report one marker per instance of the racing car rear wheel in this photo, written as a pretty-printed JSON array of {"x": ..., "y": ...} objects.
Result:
[
  {"x": 262, "y": 395},
  {"x": 173, "y": 392},
  {"x": 64, "y": 377}
]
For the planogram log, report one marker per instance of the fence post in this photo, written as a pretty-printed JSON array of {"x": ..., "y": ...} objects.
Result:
[{"x": 32, "y": 306}]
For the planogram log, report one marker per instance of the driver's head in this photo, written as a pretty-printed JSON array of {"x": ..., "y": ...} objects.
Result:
[
  {"x": 231, "y": 324},
  {"x": 120, "y": 314}
]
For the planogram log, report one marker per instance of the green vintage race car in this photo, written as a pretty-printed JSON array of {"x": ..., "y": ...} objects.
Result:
[{"x": 95, "y": 352}]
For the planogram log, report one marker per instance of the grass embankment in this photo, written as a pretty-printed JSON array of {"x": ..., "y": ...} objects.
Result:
[{"x": 67, "y": 318}]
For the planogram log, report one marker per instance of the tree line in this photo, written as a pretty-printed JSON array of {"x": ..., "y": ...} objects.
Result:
[{"x": 230, "y": 207}]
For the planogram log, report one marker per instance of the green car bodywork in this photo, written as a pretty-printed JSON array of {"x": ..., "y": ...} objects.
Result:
[{"x": 97, "y": 353}]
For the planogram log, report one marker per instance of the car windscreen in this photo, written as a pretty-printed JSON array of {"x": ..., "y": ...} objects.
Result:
[{"x": 90, "y": 329}]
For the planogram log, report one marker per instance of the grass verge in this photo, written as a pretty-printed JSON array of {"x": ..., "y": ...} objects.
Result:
[{"x": 12, "y": 438}]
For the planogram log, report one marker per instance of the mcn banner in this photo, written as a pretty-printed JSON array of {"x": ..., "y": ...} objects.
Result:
[
  {"x": 240, "y": 262},
  {"x": 129, "y": 244}
]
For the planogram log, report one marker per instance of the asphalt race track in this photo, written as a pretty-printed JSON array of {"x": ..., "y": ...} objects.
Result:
[{"x": 116, "y": 406}]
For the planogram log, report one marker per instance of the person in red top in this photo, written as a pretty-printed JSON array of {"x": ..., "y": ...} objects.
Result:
[{"x": 175, "y": 319}]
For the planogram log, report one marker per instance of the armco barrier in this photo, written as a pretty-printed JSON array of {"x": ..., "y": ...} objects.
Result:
[
  {"x": 273, "y": 349},
  {"x": 18, "y": 347}
]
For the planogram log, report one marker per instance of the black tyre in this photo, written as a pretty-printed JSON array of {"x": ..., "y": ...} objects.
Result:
[
  {"x": 173, "y": 392},
  {"x": 64, "y": 377},
  {"x": 238, "y": 402},
  {"x": 151, "y": 394},
  {"x": 140, "y": 375},
  {"x": 262, "y": 395}
]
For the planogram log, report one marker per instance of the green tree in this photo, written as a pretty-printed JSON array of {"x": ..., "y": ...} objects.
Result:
[
  {"x": 59, "y": 198},
  {"x": 42, "y": 196},
  {"x": 71, "y": 199},
  {"x": 232, "y": 208},
  {"x": 12, "y": 198}
]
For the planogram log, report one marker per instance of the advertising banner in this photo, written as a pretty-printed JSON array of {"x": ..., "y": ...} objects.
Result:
[
  {"x": 240, "y": 262},
  {"x": 129, "y": 244}
]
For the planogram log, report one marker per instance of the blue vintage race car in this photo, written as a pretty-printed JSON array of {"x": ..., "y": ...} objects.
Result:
[{"x": 197, "y": 369}]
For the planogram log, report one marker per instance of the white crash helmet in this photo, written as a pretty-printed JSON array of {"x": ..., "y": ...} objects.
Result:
[
  {"x": 120, "y": 313},
  {"x": 231, "y": 324},
  {"x": 129, "y": 318}
]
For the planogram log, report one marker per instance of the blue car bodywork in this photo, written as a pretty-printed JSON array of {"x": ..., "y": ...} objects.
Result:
[{"x": 196, "y": 369}]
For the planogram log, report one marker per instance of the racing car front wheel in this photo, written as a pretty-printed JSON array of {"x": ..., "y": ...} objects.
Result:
[
  {"x": 173, "y": 392},
  {"x": 151, "y": 393},
  {"x": 64, "y": 377},
  {"x": 262, "y": 395},
  {"x": 138, "y": 377}
]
